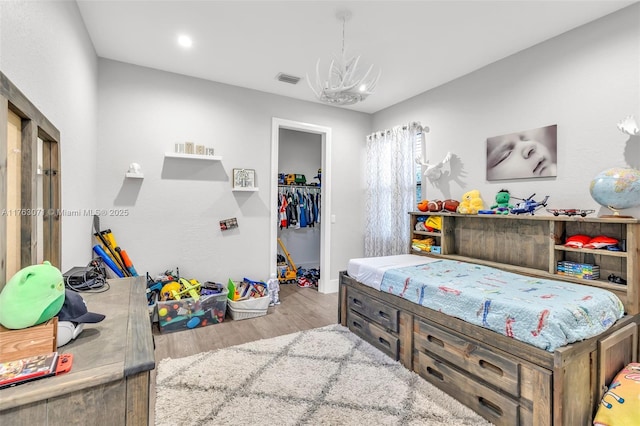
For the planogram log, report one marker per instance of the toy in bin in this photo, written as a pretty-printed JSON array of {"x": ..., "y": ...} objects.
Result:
[
  {"x": 186, "y": 303},
  {"x": 246, "y": 289},
  {"x": 248, "y": 299}
]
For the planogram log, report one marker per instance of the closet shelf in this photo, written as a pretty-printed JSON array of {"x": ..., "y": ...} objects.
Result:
[
  {"x": 280, "y": 185},
  {"x": 193, "y": 156}
]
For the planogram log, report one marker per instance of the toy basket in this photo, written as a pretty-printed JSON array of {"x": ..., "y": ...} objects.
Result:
[{"x": 249, "y": 308}]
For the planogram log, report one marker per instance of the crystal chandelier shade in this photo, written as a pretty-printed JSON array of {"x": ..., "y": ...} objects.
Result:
[{"x": 344, "y": 84}]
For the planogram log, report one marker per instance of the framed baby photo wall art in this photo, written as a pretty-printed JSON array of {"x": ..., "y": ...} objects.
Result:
[{"x": 529, "y": 154}]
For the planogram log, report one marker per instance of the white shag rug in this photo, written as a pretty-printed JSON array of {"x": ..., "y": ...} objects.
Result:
[{"x": 324, "y": 376}]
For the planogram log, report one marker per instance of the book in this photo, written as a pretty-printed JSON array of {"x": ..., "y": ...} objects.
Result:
[{"x": 27, "y": 369}]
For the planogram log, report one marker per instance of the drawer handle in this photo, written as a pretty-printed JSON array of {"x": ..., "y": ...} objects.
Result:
[
  {"x": 357, "y": 302},
  {"x": 384, "y": 315},
  {"x": 435, "y": 340},
  {"x": 497, "y": 411},
  {"x": 435, "y": 373},
  {"x": 491, "y": 367},
  {"x": 356, "y": 324},
  {"x": 384, "y": 342}
]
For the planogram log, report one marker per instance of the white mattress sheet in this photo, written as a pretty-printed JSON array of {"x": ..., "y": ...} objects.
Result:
[{"x": 370, "y": 270}]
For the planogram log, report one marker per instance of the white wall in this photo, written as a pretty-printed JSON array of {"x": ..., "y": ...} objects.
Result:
[
  {"x": 585, "y": 81},
  {"x": 46, "y": 52},
  {"x": 301, "y": 153},
  {"x": 174, "y": 211}
]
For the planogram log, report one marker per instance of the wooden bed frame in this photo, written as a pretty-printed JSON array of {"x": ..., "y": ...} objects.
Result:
[{"x": 506, "y": 381}]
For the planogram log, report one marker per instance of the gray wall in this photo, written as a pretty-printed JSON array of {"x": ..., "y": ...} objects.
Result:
[
  {"x": 585, "y": 81},
  {"x": 174, "y": 211},
  {"x": 46, "y": 52}
]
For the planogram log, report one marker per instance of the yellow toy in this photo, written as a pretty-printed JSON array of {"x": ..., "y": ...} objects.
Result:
[
  {"x": 188, "y": 287},
  {"x": 422, "y": 244},
  {"x": 167, "y": 291},
  {"x": 471, "y": 203}
]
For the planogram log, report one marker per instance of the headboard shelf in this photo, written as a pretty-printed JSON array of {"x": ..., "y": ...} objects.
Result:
[
  {"x": 593, "y": 252},
  {"x": 533, "y": 245}
]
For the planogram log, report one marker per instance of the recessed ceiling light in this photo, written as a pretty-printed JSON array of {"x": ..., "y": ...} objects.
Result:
[{"x": 185, "y": 41}]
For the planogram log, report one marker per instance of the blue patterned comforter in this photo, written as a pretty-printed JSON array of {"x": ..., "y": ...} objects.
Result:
[{"x": 545, "y": 313}]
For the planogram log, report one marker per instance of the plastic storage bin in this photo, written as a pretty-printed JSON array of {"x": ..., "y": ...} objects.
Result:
[
  {"x": 175, "y": 315},
  {"x": 248, "y": 308}
]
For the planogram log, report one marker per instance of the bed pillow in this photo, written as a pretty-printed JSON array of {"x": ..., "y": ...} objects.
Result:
[
  {"x": 620, "y": 405},
  {"x": 577, "y": 241},
  {"x": 601, "y": 241}
]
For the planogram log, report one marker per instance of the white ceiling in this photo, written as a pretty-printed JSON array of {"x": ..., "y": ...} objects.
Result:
[{"x": 417, "y": 45}]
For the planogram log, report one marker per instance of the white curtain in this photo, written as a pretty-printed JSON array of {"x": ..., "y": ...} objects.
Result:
[{"x": 390, "y": 191}]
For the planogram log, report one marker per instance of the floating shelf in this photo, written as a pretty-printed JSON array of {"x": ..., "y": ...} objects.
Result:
[
  {"x": 193, "y": 156},
  {"x": 134, "y": 175},
  {"x": 245, "y": 189}
]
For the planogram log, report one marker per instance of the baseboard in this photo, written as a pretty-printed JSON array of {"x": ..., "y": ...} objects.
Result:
[{"x": 330, "y": 286}]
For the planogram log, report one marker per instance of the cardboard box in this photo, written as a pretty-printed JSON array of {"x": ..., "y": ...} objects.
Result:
[
  {"x": 37, "y": 340},
  {"x": 187, "y": 313}
]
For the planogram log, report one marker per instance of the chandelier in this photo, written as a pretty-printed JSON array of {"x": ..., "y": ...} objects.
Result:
[{"x": 344, "y": 85}]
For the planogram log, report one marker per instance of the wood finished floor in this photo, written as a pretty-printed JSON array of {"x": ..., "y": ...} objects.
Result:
[{"x": 300, "y": 309}]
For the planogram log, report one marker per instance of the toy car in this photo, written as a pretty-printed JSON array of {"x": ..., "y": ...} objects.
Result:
[{"x": 570, "y": 212}]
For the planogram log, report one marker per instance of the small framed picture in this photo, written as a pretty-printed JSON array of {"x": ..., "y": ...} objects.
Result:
[
  {"x": 227, "y": 224},
  {"x": 244, "y": 178}
]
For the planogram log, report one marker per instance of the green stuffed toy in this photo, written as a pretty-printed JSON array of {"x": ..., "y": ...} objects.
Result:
[
  {"x": 502, "y": 205},
  {"x": 32, "y": 296}
]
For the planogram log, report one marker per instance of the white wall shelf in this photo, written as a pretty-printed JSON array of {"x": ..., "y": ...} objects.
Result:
[
  {"x": 134, "y": 175},
  {"x": 193, "y": 156},
  {"x": 245, "y": 189}
]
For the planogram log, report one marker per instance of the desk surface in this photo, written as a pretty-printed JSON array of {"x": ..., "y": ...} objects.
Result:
[{"x": 119, "y": 346}]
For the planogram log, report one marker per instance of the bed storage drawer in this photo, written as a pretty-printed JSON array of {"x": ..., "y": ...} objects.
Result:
[
  {"x": 378, "y": 337},
  {"x": 491, "y": 365},
  {"x": 373, "y": 309},
  {"x": 498, "y": 409}
]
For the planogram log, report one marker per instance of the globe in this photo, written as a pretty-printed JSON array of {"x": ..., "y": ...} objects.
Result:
[{"x": 616, "y": 188}]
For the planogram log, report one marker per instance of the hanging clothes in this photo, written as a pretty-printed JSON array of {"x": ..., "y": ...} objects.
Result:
[
  {"x": 303, "y": 209},
  {"x": 298, "y": 207},
  {"x": 282, "y": 211}
]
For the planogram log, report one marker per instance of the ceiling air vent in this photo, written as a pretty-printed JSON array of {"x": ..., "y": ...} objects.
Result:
[{"x": 286, "y": 78}]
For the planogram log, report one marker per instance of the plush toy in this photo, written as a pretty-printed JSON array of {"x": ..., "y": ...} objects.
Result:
[
  {"x": 502, "y": 205},
  {"x": 471, "y": 203},
  {"x": 434, "y": 206},
  {"x": 32, "y": 296},
  {"x": 423, "y": 205},
  {"x": 450, "y": 205}
]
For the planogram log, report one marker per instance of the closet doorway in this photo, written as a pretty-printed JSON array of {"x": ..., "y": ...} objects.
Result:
[{"x": 310, "y": 244}]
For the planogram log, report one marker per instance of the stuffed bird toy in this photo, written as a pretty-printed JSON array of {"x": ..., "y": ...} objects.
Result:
[
  {"x": 32, "y": 296},
  {"x": 433, "y": 171}
]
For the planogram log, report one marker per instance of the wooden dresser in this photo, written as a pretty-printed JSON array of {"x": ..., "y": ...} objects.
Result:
[{"x": 112, "y": 361}]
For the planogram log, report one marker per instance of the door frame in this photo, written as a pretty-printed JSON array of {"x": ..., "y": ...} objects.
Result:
[
  {"x": 325, "y": 285},
  {"x": 34, "y": 125}
]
